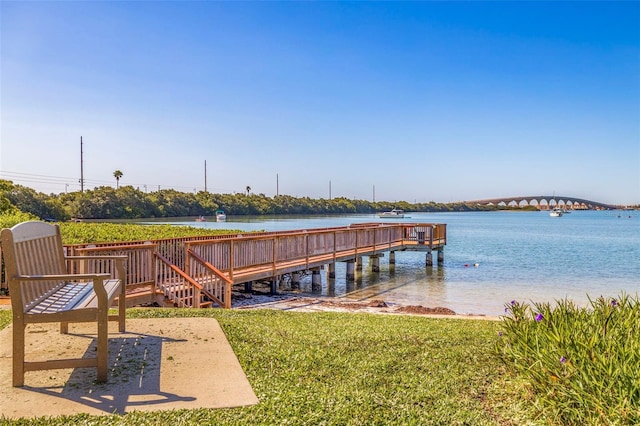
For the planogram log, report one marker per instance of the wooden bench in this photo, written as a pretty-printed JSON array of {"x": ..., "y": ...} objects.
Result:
[{"x": 46, "y": 286}]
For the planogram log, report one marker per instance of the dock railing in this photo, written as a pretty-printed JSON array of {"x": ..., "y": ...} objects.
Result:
[{"x": 256, "y": 256}]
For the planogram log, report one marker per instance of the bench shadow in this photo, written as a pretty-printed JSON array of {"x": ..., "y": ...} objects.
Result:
[{"x": 134, "y": 376}]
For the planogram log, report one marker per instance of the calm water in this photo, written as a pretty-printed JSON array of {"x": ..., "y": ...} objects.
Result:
[{"x": 527, "y": 256}]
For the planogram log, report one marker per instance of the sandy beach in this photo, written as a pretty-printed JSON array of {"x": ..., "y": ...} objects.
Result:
[{"x": 288, "y": 301}]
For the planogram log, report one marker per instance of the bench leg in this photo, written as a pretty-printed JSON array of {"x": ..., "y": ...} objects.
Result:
[
  {"x": 18, "y": 354},
  {"x": 122, "y": 306},
  {"x": 103, "y": 348}
]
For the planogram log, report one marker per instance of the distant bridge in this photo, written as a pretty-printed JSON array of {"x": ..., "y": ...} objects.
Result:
[{"x": 545, "y": 201}]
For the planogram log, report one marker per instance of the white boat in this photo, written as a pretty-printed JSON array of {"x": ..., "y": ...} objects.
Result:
[
  {"x": 220, "y": 216},
  {"x": 557, "y": 212},
  {"x": 393, "y": 214},
  {"x": 201, "y": 219}
]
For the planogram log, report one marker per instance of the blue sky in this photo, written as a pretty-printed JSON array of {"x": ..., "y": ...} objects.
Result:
[{"x": 423, "y": 101}]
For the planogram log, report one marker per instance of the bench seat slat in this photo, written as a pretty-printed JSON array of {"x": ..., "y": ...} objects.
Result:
[
  {"x": 63, "y": 298},
  {"x": 70, "y": 296}
]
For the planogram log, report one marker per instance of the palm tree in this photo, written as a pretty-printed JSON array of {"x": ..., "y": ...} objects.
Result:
[
  {"x": 117, "y": 174},
  {"x": 248, "y": 189}
]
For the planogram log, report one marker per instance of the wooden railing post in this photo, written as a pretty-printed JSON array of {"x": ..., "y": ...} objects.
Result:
[
  {"x": 375, "y": 234},
  {"x": 334, "y": 246},
  {"x": 227, "y": 295},
  {"x": 356, "y": 245},
  {"x": 231, "y": 261},
  {"x": 431, "y": 232},
  {"x": 274, "y": 254},
  {"x": 306, "y": 241},
  {"x": 197, "y": 298},
  {"x": 187, "y": 265}
]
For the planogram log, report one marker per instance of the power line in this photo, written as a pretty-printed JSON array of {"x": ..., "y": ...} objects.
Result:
[
  {"x": 20, "y": 178},
  {"x": 31, "y": 175}
]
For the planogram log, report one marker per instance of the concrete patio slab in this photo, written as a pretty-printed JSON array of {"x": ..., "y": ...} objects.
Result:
[{"x": 158, "y": 364}]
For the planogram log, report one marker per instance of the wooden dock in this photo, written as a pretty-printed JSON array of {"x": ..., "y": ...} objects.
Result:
[
  {"x": 256, "y": 257},
  {"x": 200, "y": 271}
]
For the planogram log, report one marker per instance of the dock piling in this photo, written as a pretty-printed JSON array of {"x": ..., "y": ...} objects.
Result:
[
  {"x": 295, "y": 280},
  {"x": 375, "y": 264},
  {"x": 332, "y": 271},
  {"x": 351, "y": 274},
  {"x": 274, "y": 285},
  {"x": 316, "y": 280}
]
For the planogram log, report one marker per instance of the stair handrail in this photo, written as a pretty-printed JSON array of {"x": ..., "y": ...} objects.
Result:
[
  {"x": 197, "y": 287},
  {"x": 213, "y": 269},
  {"x": 227, "y": 283}
]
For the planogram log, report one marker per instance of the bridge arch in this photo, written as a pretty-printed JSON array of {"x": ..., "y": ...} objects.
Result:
[{"x": 545, "y": 202}]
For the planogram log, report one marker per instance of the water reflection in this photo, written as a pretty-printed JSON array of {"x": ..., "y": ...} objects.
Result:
[
  {"x": 400, "y": 283},
  {"x": 409, "y": 282}
]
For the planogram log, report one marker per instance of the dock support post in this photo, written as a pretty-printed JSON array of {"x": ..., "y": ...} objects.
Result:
[
  {"x": 429, "y": 259},
  {"x": 375, "y": 264},
  {"x": 351, "y": 274},
  {"x": 332, "y": 271},
  {"x": 392, "y": 258},
  {"x": 248, "y": 286},
  {"x": 331, "y": 288},
  {"x": 359, "y": 263},
  {"x": 440, "y": 257},
  {"x": 274, "y": 285},
  {"x": 316, "y": 280},
  {"x": 295, "y": 280}
]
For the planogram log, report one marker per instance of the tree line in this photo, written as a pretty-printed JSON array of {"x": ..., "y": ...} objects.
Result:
[{"x": 127, "y": 202}]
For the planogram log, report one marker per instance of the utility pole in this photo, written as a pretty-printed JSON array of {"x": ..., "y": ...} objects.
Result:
[
  {"x": 374, "y": 193},
  {"x": 205, "y": 175},
  {"x": 81, "y": 168},
  {"x": 329, "y": 190},
  {"x": 277, "y": 185}
]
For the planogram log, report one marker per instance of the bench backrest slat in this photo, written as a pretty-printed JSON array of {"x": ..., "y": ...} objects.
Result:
[{"x": 32, "y": 248}]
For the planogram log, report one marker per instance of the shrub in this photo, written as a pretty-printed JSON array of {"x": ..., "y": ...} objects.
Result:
[
  {"x": 582, "y": 363},
  {"x": 85, "y": 233},
  {"x": 14, "y": 217}
]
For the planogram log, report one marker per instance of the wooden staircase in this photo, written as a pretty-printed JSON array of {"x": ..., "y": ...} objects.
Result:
[
  {"x": 204, "y": 287},
  {"x": 182, "y": 295}
]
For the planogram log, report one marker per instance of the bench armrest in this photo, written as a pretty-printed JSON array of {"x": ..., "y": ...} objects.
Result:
[{"x": 97, "y": 280}]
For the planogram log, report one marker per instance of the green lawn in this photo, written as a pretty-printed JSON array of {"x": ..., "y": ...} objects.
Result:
[{"x": 352, "y": 369}]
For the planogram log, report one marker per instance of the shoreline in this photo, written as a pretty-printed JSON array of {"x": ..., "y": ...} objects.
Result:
[{"x": 304, "y": 303}]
